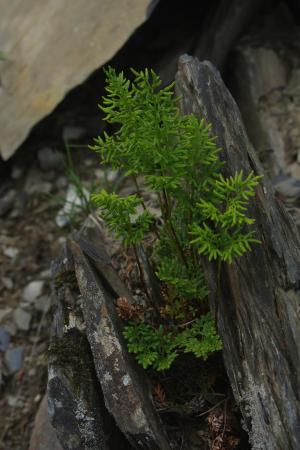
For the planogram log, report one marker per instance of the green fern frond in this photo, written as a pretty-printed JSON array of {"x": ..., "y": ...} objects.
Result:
[{"x": 203, "y": 212}]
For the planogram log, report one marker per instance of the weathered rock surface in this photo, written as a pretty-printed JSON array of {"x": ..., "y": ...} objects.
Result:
[
  {"x": 43, "y": 435},
  {"x": 75, "y": 405},
  {"x": 264, "y": 80},
  {"x": 51, "y": 47},
  {"x": 222, "y": 27},
  {"x": 126, "y": 394},
  {"x": 259, "y": 294}
]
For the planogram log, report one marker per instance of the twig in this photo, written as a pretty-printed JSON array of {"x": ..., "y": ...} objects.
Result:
[{"x": 212, "y": 408}]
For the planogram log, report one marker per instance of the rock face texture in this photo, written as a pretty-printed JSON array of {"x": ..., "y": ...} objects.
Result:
[
  {"x": 87, "y": 344},
  {"x": 264, "y": 80},
  {"x": 43, "y": 436},
  {"x": 48, "y": 48},
  {"x": 258, "y": 298}
]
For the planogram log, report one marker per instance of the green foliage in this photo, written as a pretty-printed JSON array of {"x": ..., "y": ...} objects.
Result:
[
  {"x": 225, "y": 211},
  {"x": 200, "y": 338},
  {"x": 152, "y": 346},
  {"x": 187, "y": 282},
  {"x": 80, "y": 205},
  {"x": 119, "y": 213},
  {"x": 202, "y": 211},
  {"x": 159, "y": 348}
]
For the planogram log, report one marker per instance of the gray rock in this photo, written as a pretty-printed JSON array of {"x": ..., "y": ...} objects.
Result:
[
  {"x": 7, "y": 202},
  {"x": 8, "y": 283},
  {"x": 259, "y": 76},
  {"x": 71, "y": 133},
  {"x": 33, "y": 290},
  {"x": 10, "y": 327},
  {"x": 22, "y": 319},
  {"x": 50, "y": 159},
  {"x": 14, "y": 359},
  {"x": 61, "y": 182},
  {"x": 16, "y": 173},
  {"x": 14, "y": 401},
  {"x": 42, "y": 303},
  {"x": 126, "y": 394},
  {"x": 90, "y": 34},
  {"x": 38, "y": 187},
  {"x": 45, "y": 274},
  {"x": 5, "y": 313},
  {"x": 4, "y": 339},
  {"x": 76, "y": 408},
  {"x": 11, "y": 252},
  {"x": 288, "y": 187},
  {"x": 43, "y": 435}
]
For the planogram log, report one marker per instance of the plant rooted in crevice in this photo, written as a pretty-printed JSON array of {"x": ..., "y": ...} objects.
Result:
[{"x": 202, "y": 212}]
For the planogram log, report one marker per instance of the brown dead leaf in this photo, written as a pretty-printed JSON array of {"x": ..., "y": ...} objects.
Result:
[
  {"x": 159, "y": 395},
  {"x": 126, "y": 311}
]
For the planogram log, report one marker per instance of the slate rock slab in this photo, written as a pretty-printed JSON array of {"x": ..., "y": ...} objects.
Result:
[
  {"x": 75, "y": 401},
  {"x": 126, "y": 394},
  {"x": 258, "y": 295},
  {"x": 51, "y": 47}
]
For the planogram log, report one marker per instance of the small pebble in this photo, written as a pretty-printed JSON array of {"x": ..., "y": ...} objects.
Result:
[
  {"x": 11, "y": 328},
  {"x": 42, "y": 303},
  {"x": 61, "y": 182},
  {"x": 16, "y": 173},
  {"x": 32, "y": 372},
  {"x": 5, "y": 313},
  {"x": 50, "y": 159},
  {"x": 37, "y": 398},
  {"x": 46, "y": 273},
  {"x": 11, "y": 252},
  {"x": 72, "y": 133},
  {"x": 13, "y": 402},
  {"x": 33, "y": 290},
  {"x": 4, "y": 339},
  {"x": 7, "y": 282},
  {"x": 14, "y": 358},
  {"x": 288, "y": 187},
  {"x": 88, "y": 162},
  {"x": 112, "y": 175},
  {"x": 99, "y": 174},
  {"x": 22, "y": 319},
  {"x": 7, "y": 202}
]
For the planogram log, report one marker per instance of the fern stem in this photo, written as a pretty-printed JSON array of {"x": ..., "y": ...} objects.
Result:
[
  {"x": 138, "y": 191},
  {"x": 218, "y": 293},
  {"x": 140, "y": 270},
  {"x": 172, "y": 230},
  {"x": 142, "y": 277}
]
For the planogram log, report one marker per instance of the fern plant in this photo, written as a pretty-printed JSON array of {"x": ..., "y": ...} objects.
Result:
[{"x": 203, "y": 212}]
